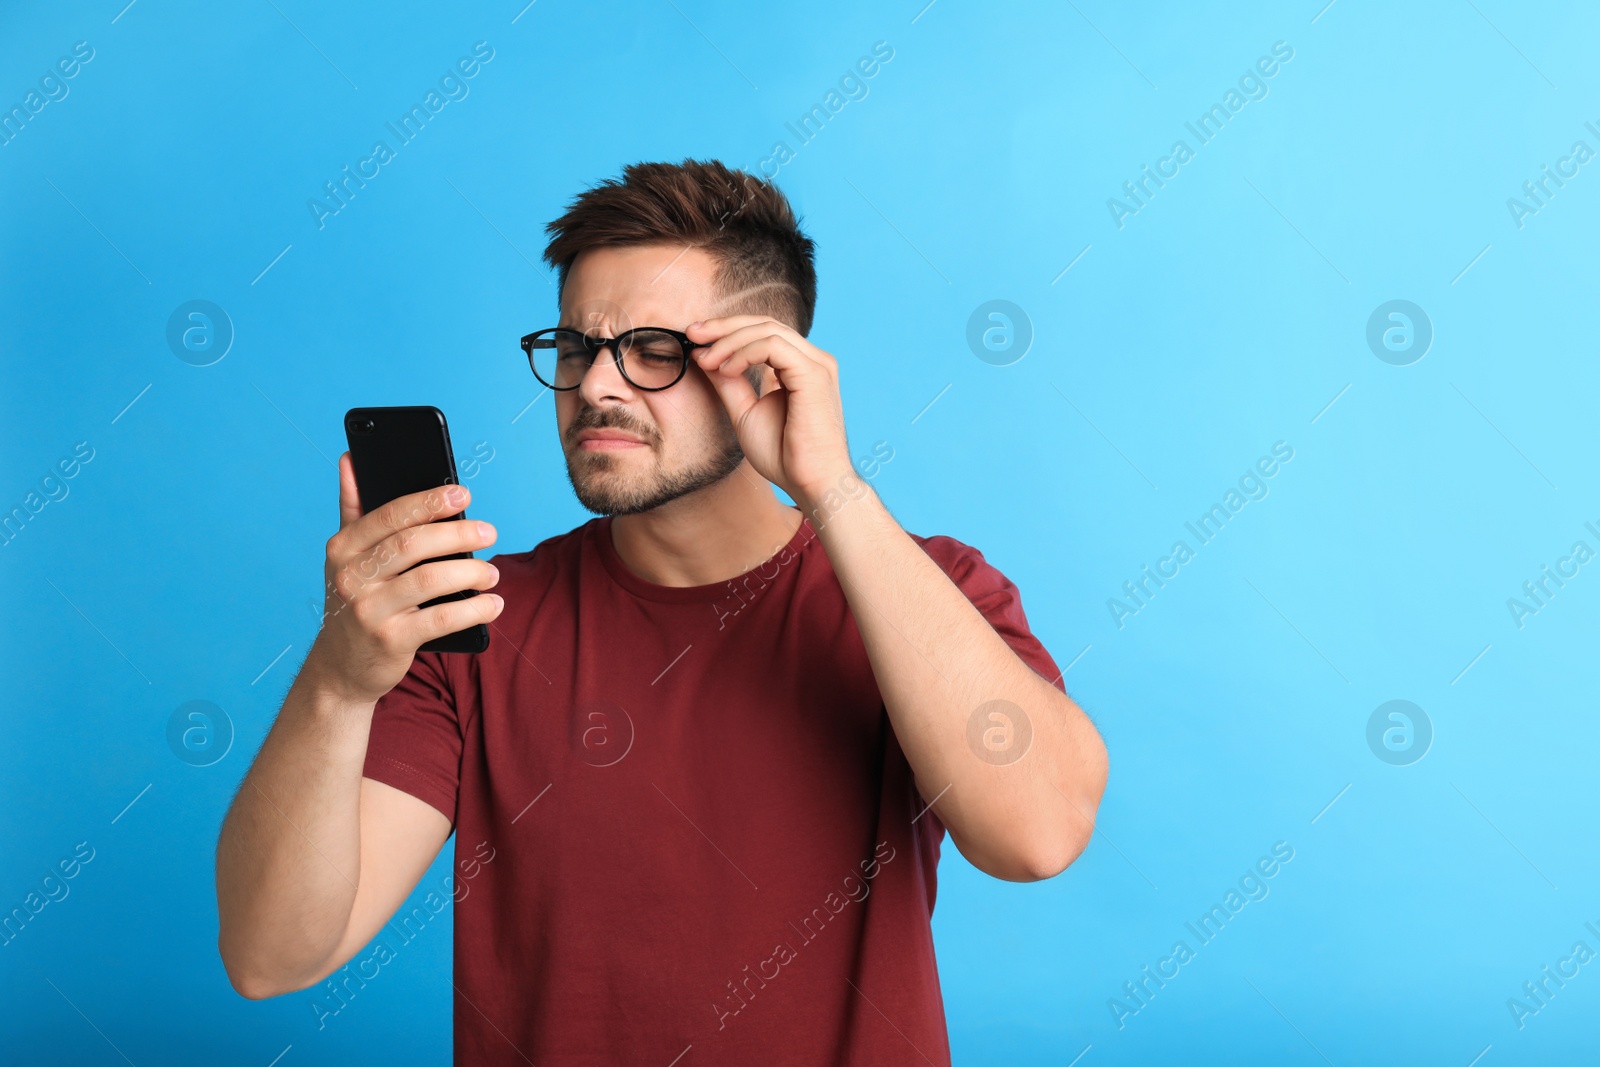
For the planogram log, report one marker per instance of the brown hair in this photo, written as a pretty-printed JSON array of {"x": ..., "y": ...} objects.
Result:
[{"x": 741, "y": 220}]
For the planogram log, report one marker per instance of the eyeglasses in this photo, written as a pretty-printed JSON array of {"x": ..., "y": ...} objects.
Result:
[{"x": 650, "y": 357}]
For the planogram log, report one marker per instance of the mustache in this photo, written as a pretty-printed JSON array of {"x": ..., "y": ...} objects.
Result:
[{"x": 609, "y": 419}]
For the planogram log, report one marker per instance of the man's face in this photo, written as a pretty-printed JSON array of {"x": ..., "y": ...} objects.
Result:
[{"x": 630, "y": 450}]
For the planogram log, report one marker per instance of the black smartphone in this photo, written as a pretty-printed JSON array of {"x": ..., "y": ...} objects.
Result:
[{"x": 396, "y": 451}]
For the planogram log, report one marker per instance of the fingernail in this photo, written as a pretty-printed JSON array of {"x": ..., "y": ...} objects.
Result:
[
  {"x": 692, "y": 325},
  {"x": 485, "y": 531},
  {"x": 494, "y": 574},
  {"x": 455, "y": 494}
]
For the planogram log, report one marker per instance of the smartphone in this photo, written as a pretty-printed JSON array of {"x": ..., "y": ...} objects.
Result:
[{"x": 401, "y": 450}]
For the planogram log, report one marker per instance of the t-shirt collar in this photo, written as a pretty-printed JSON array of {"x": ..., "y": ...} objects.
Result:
[{"x": 600, "y": 538}]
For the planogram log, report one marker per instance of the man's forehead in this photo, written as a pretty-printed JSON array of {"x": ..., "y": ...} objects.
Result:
[{"x": 639, "y": 285}]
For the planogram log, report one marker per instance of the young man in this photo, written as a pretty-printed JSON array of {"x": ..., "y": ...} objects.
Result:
[{"x": 699, "y": 779}]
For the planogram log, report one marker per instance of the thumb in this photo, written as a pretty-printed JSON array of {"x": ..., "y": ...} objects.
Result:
[
  {"x": 349, "y": 498},
  {"x": 737, "y": 394}
]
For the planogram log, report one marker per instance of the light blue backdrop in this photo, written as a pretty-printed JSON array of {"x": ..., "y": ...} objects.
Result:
[{"x": 1171, "y": 347}]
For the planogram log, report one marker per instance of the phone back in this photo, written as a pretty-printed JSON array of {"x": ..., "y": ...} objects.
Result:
[{"x": 400, "y": 450}]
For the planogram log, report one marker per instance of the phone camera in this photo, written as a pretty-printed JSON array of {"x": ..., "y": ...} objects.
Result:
[{"x": 360, "y": 425}]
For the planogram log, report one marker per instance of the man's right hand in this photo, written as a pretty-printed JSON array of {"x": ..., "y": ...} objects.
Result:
[{"x": 372, "y": 625}]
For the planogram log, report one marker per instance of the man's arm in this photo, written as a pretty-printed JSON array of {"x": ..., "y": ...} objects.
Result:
[
  {"x": 935, "y": 656},
  {"x": 313, "y": 858},
  {"x": 937, "y": 660}
]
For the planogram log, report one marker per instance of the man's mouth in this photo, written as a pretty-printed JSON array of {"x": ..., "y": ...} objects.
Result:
[{"x": 608, "y": 441}]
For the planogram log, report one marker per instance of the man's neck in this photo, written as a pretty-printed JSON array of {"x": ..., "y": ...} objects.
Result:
[{"x": 708, "y": 536}]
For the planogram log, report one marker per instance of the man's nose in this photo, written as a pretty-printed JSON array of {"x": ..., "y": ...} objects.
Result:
[{"x": 603, "y": 377}]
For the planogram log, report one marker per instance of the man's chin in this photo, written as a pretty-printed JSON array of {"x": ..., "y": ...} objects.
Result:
[
  {"x": 605, "y": 490},
  {"x": 609, "y": 488},
  {"x": 610, "y": 503}
]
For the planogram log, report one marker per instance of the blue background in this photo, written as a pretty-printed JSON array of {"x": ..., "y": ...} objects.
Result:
[{"x": 1229, "y": 313}]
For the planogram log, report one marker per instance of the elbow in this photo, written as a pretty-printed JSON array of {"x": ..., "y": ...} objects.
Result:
[
  {"x": 1049, "y": 858},
  {"x": 1043, "y": 855},
  {"x": 1033, "y": 864},
  {"x": 1057, "y": 834},
  {"x": 249, "y": 984},
  {"x": 249, "y": 979},
  {"x": 1057, "y": 849},
  {"x": 252, "y": 989}
]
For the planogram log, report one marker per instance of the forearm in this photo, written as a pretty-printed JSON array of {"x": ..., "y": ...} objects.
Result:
[
  {"x": 937, "y": 660},
  {"x": 288, "y": 858}
]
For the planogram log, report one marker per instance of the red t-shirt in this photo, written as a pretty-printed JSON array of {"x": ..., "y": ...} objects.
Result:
[{"x": 684, "y": 827}]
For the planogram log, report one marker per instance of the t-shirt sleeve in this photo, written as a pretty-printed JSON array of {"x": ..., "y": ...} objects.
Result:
[
  {"x": 997, "y": 599},
  {"x": 415, "y": 744}
]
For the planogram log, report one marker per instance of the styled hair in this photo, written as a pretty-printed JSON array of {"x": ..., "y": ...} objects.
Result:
[{"x": 742, "y": 221}]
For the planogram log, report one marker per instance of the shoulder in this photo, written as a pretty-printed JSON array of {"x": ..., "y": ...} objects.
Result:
[
  {"x": 953, "y": 556},
  {"x": 553, "y": 554},
  {"x": 982, "y": 582}
]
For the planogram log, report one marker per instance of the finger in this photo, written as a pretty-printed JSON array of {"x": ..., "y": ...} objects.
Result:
[
  {"x": 737, "y": 394},
  {"x": 708, "y": 330},
  {"x": 425, "y": 624},
  {"x": 399, "y": 552},
  {"x": 792, "y": 366},
  {"x": 349, "y": 498},
  {"x": 401, "y": 513},
  {"x": 717, "y": 351},
  {"x": 421, "y": 584}
]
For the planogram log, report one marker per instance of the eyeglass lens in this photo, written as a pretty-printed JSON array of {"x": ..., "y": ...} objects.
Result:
[{"x": 651, "y": 359}]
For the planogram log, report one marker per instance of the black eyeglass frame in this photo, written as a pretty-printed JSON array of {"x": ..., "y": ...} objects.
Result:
[{"x": 595, "y": 345}]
